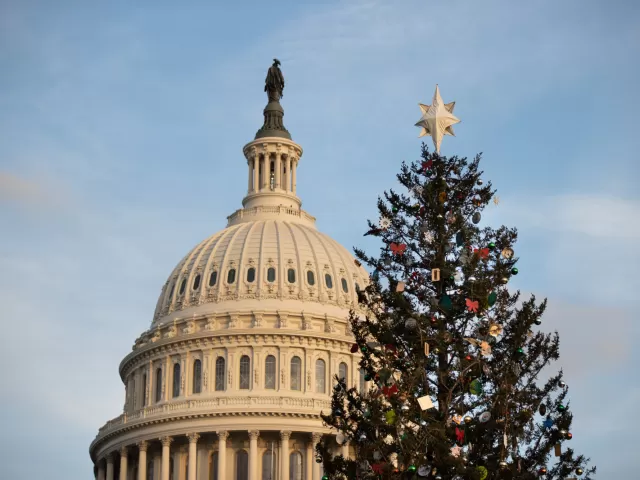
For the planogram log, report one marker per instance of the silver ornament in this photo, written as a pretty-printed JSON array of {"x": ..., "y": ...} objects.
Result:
[
  {"x": 479, "y": 182},
  {"x": 411, "y": 323},
  {"x": 476, "y": 217}
]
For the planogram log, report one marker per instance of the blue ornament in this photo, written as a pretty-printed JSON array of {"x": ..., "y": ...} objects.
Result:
[{"x": 548, "y": 423}]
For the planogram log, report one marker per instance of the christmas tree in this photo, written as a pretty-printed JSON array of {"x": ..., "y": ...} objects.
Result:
[{"x": 452, "y": 358}]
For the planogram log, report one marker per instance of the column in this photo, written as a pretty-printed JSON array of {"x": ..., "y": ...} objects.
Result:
[
  {"x": 110, "y": 466},
  {"x": 315, "y": 438},
  {"x": 266, "y": 170},
  {"x": 101, "y": 470},
  {"x": 309, "y": 459},
  {"x": 345, "y": 450},
  {"x": 250, "y": 176},
  {"x": 293, "y": 178},
  {"x": 284, "y": 454},
  {"x": 256, "y": 172},
  {"x": 222, "y": 454},
  {"x": 142, "y": 460},
  {"x": 123, "y": 463},
  {"x": 278, "y": 169},
  {"x": 193, "y": 444},
  {"x": 166, "y": 452},
  {"x": 253, "y": 454},
  {"x": 289, "y": 173}
]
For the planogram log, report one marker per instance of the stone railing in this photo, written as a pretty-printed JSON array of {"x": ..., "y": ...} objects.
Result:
[
  {"x": 248, "y": 404},
  {"x": 300, "y": 214}
]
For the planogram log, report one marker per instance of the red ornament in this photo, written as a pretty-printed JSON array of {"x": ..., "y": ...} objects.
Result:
[
  {"x": 398, "y": 249},
  {"x": 482, "y": 252},
  {"x": 378, "y": 468},
  {"x": 468, "y": 358},
  {"x": 569, "y": 435},
  {"x": 354, "y": 348},
  {"x": 472, "y": 305},
  {"x": 459, "y": 435},
  {"x": 388, "y": 391},
  {"x": 426, "y": 165}
]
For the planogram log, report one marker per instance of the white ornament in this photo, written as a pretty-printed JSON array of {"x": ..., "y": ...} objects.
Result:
[
  {"x": 384, "y": 223},
  {"x": 437, "y": 119},
  {"x": 428, "y": 237},
  {"x": 417, "y": 191},
  {"x": 455, "y": 451},
  {"x": 388, "y": 440}
]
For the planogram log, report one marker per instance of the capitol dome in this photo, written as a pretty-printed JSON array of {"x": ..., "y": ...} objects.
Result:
[{"x": 247, "y": 338}]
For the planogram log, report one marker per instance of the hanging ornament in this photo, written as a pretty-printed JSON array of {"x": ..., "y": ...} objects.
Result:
[
  {"x": 427, "y": 165},
  {"x": 542, "y": 409},
  {"x": 482, "y": 472},
  {"x": 514, "y": 271},
  {"x": 476, "y": 217},
  {"x": 493, "y": 296},
  {"x": 562, "y": 384},
  {"x": 442, "y": 197},
  {"x": 459, "y": 435},
  {"x": 475, "y": 387},
  {"x": 423, "y": 471},
  {"x": 458, "y": 277},
  {"x": 459, "y": 239},
  {"x": 484, "y": 417},
  {"x": 388, "y": 440},
  {"x": 483, "y": 253},
  {"x": 411, "y": 324},
  {"x": 491, "y": 246},
  {"x": 446, "y": 303},
  {"x": 542, "y": 471},
  {"x": 397, "y": 248},
  {"x": 455, "y": 451},
  {"x": 507, "y": 253},
  {"x": 479, "y": 182},
  {"x": 391, "y": 417},
  {"x": 354, "y": 348},
  {"x": 495, "y": 329},
  {"x": 579, "y": 471},
  {"x": 472, "y": 305},
  {"x": 384, "y": 223}
]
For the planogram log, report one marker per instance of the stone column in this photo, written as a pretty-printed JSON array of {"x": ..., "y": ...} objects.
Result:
[
  {"x": 101, "y": 473},
  {"x": 266, "y": 170},
  {"x": 289, "y": 173},
  {"x": 284, "y": 454},
  {"x": 110, "y": 466},
  {"x": 278, "y": 169},
  {"x": 256, "y": 172},
  {"x": 193, "y": 443},
  {"x": 253, "y": 454},
  {"x": 123, "y": 463},
  {"x": 142, "y": 460},
  {"x": 293, "y": 178},
  {"x": 222, "y": 454},
  {"x": 309, "y": 459},
  {"x": 250, "y": 176},
  {"x": 315, "y": 439},
  {"x": 166, "y": 453},
  {"x": 345, "y": 450}
]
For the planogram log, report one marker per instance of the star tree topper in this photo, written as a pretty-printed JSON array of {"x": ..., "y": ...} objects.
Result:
[{"x": 437, "y": 119}]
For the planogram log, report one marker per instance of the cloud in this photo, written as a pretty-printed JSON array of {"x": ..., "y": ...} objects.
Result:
[{"x": 25, "y": 192}]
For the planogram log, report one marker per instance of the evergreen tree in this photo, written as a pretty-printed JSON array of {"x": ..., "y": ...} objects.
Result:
[{"x": 453, "y": 359}]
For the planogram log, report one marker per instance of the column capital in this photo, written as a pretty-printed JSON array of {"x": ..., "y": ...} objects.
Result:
[
  {"x": 124, "y": 451},
  {"x": 166, "y": 441},
  {"x": 109, "y": 457},
  {"x": 143, "y": 445},
  {"x": 222, "y": 435},
  {"x": 254, "y": 434},
  {"x": 193, "y": 437},
  {"x": 285, "y": 434},
  {"x": 315, "y": 437}
]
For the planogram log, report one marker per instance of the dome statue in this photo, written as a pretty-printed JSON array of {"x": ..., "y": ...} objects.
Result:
[{"x": 247, "y": 338}]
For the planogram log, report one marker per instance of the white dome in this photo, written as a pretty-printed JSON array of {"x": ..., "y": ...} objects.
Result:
[{"x": 267, "y": 264}]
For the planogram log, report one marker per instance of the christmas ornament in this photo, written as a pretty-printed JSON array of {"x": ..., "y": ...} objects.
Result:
[
  {"x": 543, "y": 409},
  {"x": 495, "y": 329},
  {"x": 476, "y": 217},
  {"x": 542, "y": 471},
  {"x": 484, "y": 417},
  {"x": 384, "y": 223},
  {"x": 562, "y": 384},
  {"x": 507, "y": 253},
  {"x": 479, "y": 182},
  {"x": 437, "y": 119},
  {"x": 548, "y": 423},
  {"x": 455, "y": 451},
  {"x": 468, "y": 419},
  {"x": 483, "y": 253},
  {"x": 397, "y": 249},
  {"x": 472, "y": 305},
  {"x": 514, "y": 271},
  {"x": 417, "y": 191},
  {"x": 459, "y": 435},
  {"x": 423, "y": 471},
  {"x": 435, "y": 274},
  {"x": 579, "y": 471},
  {"x": 446, "y": 303},
  {"x": 503, "y": 465},
  {"x": 493, "y": 296},
  {"x": 475, "y": 387},
  {"x": 425, "y": 402},
  {"x": 388, "y": 440},
  {"x": 400, "y": 287},
  {"x": 483, "y": 472}
]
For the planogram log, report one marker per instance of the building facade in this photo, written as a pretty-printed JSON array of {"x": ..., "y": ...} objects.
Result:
[{"x": 248, "y": 335}]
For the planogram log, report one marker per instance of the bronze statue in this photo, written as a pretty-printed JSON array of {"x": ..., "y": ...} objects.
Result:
[{"x": 274, "y": 83}]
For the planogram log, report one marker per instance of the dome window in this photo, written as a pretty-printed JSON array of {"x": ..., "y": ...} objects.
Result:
[
  {"x": 176, "y": 380},
  {"x": 251, "y": 275},
  {"x": 245, "y": 372},
  {"x": 271, "y": 275},
  {"x": 231, "y": 276},
  {"x": 196, "y": 282},
  {"x": 291, "y": 275},
  {"x": 220, "y": 371},
  {"x": 171, "y": 291},
  {"x": 270, "y": 372},
  {"x": 183, "y": 285},
  {"x": 345, "y": 286},
  {"x": 311, "y": 278},
  {"x": 328, "y": 280},
  {"x": 197, "y": 376},
  {"x": 158, "y": 384},
  {"x": 213, "y": 278}
]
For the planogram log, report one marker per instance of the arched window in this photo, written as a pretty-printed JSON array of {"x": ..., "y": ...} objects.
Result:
[
  {"x": 251, "y": 275},
  {"x": 231, "y": 276},
  {"x": 196, "y": 282},
  {"x": 270, "y": 372},
  {"x": 321, "y": 382},
  {"x": 150, "y": 468},
  {"x": 295, "y": 466},
  {"x": 342, "y": 372},
  {"x": 176, "y": 380},
  {"x": 144, "y": 390},
  {"x": 220, "y": 371},
  {"x": 296, "y": 373},
  {"x": 213, "y": 278},
  {"x": 328, "y": 280},
  {"x": 245, "y": 372},
  {"x": 183, "y": 285},
  {"x": 345, "y": 285},
  {"x": 268, "y": 465},
  {"x": 213, "y": 466},
  {"x": 158, "y": 384},
  {"x": 197, "y": 376},
  {"x": 291, "y": 275},
  {"x": 311, "y": 278},
  {"x": 242, "y": 465},
  {"x": 271, "y": 274}
]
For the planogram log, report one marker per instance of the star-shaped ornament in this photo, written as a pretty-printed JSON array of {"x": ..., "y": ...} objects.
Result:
[
  {"x": 437, "y": 119},
  {"x": 455, "y": 451}
]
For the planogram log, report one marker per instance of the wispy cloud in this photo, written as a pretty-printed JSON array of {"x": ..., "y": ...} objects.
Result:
[{"x": 16, "y": 190}]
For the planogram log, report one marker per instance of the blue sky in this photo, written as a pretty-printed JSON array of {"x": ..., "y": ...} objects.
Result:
[{"x": 121, "y": 134}]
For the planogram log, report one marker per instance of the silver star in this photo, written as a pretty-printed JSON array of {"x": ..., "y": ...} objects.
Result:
[{"x": 437, "y": 119}]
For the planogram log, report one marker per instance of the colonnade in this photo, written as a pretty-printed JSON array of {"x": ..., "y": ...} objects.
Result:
[
  {"x": 285, "y": 167},
  {"x": 106, "y": 470}
]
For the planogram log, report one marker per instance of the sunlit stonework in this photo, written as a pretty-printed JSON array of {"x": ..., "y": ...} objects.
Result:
[{"x": 248, "y": 335}]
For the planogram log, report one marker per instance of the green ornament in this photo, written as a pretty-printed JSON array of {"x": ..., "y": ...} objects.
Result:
[
  {"x": 325, "y": 477},
  {"x": 367, "y": 377},
  {"x": 520, "y": 352},
  {"x": 483, "y": 472},
  {"x": 403, "y": 436},
  {"x": 446, "y": 303},
  {"x": 391, "y": 417},
  {"x": 363, "y": 349},
  {"x": 561, "y": 408},
  {"x": 514, "y": 271},
  {"x": 459, "y": 239},
  {"x": 366, "y": 413},
  {"x": 492, "y": 246},
  {"x": 493, "y": 296},
  {"x": 411, "y": 468},
  {"x": 394, "y": 209},
  {"x": 475, "y": 387}
]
